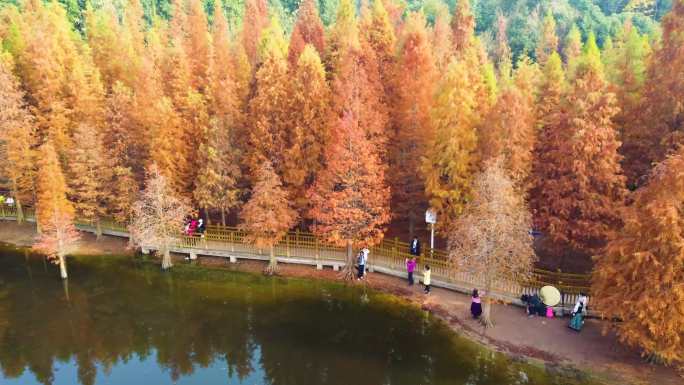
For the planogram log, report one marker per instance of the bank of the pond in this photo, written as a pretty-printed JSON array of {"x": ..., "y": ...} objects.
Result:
[{"x": 546, "y": 342}]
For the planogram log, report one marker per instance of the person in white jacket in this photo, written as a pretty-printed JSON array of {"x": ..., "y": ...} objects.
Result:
[{"x": 578, "y": 312}]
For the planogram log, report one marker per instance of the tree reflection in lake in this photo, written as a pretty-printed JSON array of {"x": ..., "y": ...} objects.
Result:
[{"x": 125, "y": 322}]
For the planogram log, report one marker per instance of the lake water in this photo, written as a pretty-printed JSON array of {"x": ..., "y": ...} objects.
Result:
[{"x": 122, "y": 321}]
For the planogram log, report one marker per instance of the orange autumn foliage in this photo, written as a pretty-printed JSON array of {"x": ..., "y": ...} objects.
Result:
[
  {"x": 350, "y": 199},
  {"x": 308, "y": 30},
  {"x": 54, "y": 213},
  {"x": 639, "y": 279}
]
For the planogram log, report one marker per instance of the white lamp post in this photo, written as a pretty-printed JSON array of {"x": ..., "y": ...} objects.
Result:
[{"x": 431, "y": 218}]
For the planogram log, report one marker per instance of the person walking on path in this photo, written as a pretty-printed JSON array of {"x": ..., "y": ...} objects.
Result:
[
  {"x": 426, "y": 279},
  {"x": 362, "y": 259},
  {"x": 578, "y": 312},
  {"x": 410, "y": 268},
  {"x": 476, "y": 305},
  {"x": 414, "y": 248}
]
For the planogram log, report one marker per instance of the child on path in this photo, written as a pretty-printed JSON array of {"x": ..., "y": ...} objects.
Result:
[
  {"x": 426, "y": 279},
  {"x": 410, "y": 268}
]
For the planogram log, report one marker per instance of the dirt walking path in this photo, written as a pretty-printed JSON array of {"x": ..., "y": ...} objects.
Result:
[{"x": 548, "y": 340}]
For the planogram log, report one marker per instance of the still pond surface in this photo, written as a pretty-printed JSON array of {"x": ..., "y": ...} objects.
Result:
[{"x": 122, "y": 321}]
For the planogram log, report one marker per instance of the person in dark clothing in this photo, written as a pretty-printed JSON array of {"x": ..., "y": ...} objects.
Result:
[
  {"x": 534, "y": 305},
  {"x": 476, "y": 305},
  {"x": 414, "y": 247}
]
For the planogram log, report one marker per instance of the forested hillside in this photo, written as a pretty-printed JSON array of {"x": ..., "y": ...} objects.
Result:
[{"x": 525, "y": 17}]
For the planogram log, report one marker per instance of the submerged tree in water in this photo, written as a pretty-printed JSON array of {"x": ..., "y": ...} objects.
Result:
[
  {"x": 54, "y": 213},
  {"x": 158, "y": 216},
  {"x": 491, "y": 240}
]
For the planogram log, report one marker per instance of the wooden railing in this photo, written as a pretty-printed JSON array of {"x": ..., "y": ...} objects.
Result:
[{"x": 389, "y": 256}]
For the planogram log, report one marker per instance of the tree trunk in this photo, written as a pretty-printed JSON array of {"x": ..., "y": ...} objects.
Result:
[
  {"x": 20, "y": 211},
  {"x": 62, "y": 266},
  {"x": 272, "y": 267},
  {"x": 348, "y": 272},
  {"x": 223, "y": 217},
  {"x": 65, "y": 286},
  {"x": 166, "y": 259},
  {"x": 486, "y": 318},
  {"x": 206, "y": 214},
  {"x": 412, "y": 224},
  {"x": 98, "y": 229}
]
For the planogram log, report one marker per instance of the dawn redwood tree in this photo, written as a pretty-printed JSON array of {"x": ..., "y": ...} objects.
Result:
[
  {"x": 255, "y": 20},
  {"x": 343, "y": 36},
  {"x": 268, "y": 214},
  {"x": 308, "y": 30},
  {"x": 645, "y": 262},
  {"x": 125, "y": 153},
  {"x": 441, "y": 40},
  {"x": 580, "y": 187},
  {"x": 158, "y": 216},
  {"x": 548, "y": 40},
  {"x": 449, "y": 162},
  {"x": 572, "y": 50},
  {"x": 357, "y": 87},
  {"x": 626, "y": 65},
  {"x": 463, "y": 27},
  {"x": 309, "y": 132},
  {"x": 167, "y": 144},
  {"x": 659, "y": 128},
  {"x": 378, "y": 32},
  {"x": 42, "y": 48},
  {"x": 412, "y": 130},
  {"x": 491, "y": 239},
  {"x": 227, "y": 119},
  {"x": 551, "y": 134},
  {"x": 518, "y": 122},
  {"x": 551, "y": 90},
  {"x": 268, "y": 108},
  {"x": 198, "y": 45},
  {"x": 88, "y": 175},
  {"x": 17, "y": 137},
  {"x": 502, "y": 51},
  {"x": 54, "y": 213},
  {"x": 195, "y": 119},
  {"x": 350, "y": 200},
  {"x": 116, "y": 47},
  {"x": 217, "y": 179}
]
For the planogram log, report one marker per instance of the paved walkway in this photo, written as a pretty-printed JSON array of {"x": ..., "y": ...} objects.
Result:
[{"x": 544, "y": 338}]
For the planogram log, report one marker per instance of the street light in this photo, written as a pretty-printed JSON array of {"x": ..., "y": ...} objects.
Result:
[{"x": 431, "y": 218}]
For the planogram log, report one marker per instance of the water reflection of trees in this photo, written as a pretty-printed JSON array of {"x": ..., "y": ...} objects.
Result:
[{"x": 116, "y": 313}]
